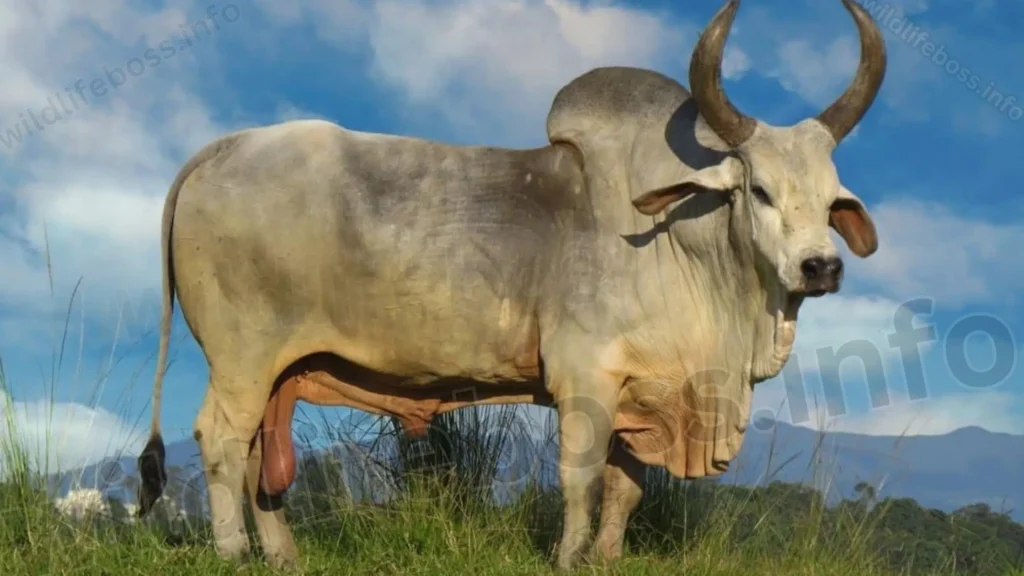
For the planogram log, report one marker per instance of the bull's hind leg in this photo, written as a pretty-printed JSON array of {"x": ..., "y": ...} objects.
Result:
[
  {"x": 225, "y": 426},
  {"x": 268, "y": 513}
]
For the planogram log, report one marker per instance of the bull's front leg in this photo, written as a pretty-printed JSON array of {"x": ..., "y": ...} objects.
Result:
[
  {"x": 623, "y": 489},
  {"x": 585, "y": 422}
]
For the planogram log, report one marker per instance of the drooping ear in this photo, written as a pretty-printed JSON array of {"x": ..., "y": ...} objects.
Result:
[
  {"x": 851, "y": 220},
  {"x": 721, "y": 177}
]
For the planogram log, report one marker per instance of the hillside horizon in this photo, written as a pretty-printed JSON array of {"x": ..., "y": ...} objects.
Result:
[{"x": 941, "y": 471}]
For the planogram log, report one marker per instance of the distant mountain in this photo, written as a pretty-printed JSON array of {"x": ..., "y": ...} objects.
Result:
[{"x": 948, "y": 471}]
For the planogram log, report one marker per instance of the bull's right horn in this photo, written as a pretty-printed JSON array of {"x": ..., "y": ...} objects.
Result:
[{"x": 706, "y": 80}]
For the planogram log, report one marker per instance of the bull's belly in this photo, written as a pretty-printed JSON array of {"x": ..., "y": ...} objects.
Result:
[{"x": 329, "y": 380}]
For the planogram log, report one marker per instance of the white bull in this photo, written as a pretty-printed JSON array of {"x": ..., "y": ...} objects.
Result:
[{"x": 641, "y": 272}]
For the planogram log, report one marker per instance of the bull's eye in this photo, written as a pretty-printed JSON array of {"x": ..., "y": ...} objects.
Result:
[{"x": 761, "y": 195}]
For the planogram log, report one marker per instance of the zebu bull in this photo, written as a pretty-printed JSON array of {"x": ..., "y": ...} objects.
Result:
[{"x": 641, "y": 272}]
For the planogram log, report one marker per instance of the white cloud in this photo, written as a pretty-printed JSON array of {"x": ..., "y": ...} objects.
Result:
[
  {"x": 530, "y": 48},
  {"x": 827, "y": 324},
  {"x": 339, "y": 22},
  {"x": 995, "y": 411},
  {"x": 494, "y": 67},
  {"x": 817, "y": 73},
  {"x": 735, "y": 63},
  {"x": 63, "y": 436},
  {"x": 927, "y": 250},
  {"x": 89, "y": 188},
  {"x": 287, "y": 111}
]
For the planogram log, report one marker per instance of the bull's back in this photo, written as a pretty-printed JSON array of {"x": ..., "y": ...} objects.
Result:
[{"x": 405, "y": 256}]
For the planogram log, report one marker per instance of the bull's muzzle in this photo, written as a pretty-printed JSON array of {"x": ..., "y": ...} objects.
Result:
[{"x": 821, "y": 275}]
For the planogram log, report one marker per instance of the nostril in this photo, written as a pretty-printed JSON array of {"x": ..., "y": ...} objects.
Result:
[
  {"x": 835, "y": 267},
  {"x": 812, "y": 267}
]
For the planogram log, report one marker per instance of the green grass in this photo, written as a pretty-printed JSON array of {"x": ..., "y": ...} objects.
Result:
[
  {"x": 414, "y": 537},
  {"x": 442, "y": 521}
]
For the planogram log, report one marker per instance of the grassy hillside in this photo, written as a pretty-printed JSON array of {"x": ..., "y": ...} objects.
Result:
[{"x": 439, "y": 516}]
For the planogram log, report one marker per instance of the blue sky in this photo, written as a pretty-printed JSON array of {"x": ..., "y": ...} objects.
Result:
[{"x": 934, "y": 160}]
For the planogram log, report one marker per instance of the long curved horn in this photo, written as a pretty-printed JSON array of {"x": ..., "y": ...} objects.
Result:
[
  {"x": 706, "y": 80},
  {"x": 843, "y": 114}
]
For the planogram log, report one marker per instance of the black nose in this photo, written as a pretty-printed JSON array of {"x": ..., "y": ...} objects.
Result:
[{"x": 817, "y": 269}]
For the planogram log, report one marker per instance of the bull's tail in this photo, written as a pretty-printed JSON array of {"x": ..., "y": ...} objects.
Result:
[{"x": 152, "y": 471}]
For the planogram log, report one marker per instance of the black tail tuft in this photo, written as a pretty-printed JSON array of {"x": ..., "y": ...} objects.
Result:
[{"x": 153, "y": 473}]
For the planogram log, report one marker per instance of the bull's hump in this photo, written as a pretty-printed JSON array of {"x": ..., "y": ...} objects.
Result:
[{"x": 612, "y": 99}]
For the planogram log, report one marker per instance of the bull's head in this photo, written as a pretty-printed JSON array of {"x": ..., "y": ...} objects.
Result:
[{"x": 794, "y": 194}]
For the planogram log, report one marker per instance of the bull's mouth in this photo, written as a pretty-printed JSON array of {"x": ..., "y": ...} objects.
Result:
[
  {"x": 815, "y": 292},
  {"x": 793, "y": 302}
]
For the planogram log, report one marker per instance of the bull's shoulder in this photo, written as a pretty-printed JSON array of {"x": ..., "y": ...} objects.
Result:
[{"x": 550, "y": 177}]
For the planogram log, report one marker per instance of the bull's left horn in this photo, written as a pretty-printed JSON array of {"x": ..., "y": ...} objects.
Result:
[{"x": 840, "y": 117}]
